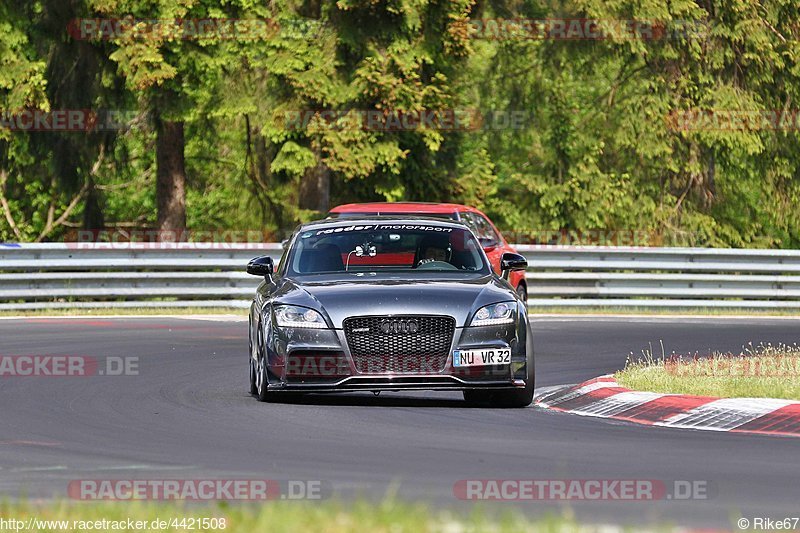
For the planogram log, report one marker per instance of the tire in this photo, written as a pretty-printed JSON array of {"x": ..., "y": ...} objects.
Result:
[
  {"x": 253, "y": 388},
  {"x": 251, "y": 364},
  {"x": 519, "y": 397},
  {"x": 478, "y": 397},
  {"x": 262, "y": 382},
  {"x": 260, "y": 372},
  {"x": 508, "y": 398},
  {"x": 522, "y": 293},
  {"x": 259, "y": 384},
  {"x": 514, "y": 398}
]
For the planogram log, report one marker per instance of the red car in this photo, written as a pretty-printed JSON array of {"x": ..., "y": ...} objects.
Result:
[{"x": 492, "y": 241}]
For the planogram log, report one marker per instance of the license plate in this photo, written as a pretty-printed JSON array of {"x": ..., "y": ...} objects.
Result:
[{"x": 491, "y": 356}]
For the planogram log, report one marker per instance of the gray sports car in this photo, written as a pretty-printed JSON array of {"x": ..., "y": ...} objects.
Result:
[{"x": 387, "y": 303}]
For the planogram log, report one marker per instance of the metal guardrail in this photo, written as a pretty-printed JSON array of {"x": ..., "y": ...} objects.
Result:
[
  {"x": 662, "y": 277},
  {"x": 67, "y": 275},
  {"x": 118, "y": 275}
]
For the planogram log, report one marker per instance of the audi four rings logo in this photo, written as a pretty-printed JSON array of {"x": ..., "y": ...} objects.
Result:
[{"x": 399, "y": 326}]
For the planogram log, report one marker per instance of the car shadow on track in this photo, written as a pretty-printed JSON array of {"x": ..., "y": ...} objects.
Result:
[{"x": 364, "y": 400}]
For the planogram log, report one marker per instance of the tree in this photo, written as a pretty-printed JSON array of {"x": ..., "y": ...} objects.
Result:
[
  {"x": 601, "y": 150},
  {"x": 172, "y": 69},
  {"x": 333, "y": 64},
  {"x": 47, "y": 177}
]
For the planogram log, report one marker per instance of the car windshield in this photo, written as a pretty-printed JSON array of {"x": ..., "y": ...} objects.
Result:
[{"x": 403, "y": 247}]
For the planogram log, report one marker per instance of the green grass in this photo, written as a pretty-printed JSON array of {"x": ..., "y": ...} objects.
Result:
[
  {"x": 766, "y": 371},
  {"x": 290, "y": 517}
]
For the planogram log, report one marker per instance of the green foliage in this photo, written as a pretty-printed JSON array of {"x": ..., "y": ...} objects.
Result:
[
  {"x": 599, "y": 151},
  {"x": 293, "y": 159},
  {"x": 594, "y": 145},
  {"x": 22, "y": 79}
]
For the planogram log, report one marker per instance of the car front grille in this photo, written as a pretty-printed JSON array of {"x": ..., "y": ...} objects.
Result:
[{"x": 399, "y": 344}]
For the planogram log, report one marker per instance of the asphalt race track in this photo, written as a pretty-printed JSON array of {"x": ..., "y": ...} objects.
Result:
[{"x": 187, "y": 414}]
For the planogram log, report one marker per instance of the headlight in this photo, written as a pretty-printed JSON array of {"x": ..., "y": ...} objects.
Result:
[
  {"x": 292, "y": 316},
  {"x": 502, "y": 313}
]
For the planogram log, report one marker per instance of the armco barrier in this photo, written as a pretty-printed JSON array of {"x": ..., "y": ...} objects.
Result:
[
  {"x": 80, "y": 275},
  {"x": 662, "y": 277},
  {"x": 64, "y": 275}
]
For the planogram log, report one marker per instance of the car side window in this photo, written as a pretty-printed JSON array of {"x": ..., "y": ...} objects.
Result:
[
  {"x": 481, "y": 228},
  {"x": 487, "y": 229},
  {"x": 469, "y": 220}
]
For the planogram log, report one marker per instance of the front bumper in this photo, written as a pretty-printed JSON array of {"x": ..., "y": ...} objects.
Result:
[
  {"x": 301, "y": 360},
  {"x": 395, "y": 383}
]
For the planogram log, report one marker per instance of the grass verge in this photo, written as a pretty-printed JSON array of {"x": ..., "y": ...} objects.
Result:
[
  {"x": 276, "y": 517},
  {"x": 765, "y": 371}
]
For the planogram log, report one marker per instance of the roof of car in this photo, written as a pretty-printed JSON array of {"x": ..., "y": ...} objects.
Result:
[
  {"x": 401, "y": 207},
  {"x": 385, "y": 219}
]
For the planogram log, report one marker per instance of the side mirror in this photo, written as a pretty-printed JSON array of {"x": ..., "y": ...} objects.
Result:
[
  {"x": 511, "y": 261},
  {"x": 261, "y": 266}
]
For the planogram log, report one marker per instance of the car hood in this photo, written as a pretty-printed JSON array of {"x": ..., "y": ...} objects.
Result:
[{"x": 383, "y": 296}]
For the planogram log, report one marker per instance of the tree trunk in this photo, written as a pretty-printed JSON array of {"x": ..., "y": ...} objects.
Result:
[
  {"x": 315, "y": 188},
  {"x": 93, "y": 218},
  {"x": 170, "y": 180}
]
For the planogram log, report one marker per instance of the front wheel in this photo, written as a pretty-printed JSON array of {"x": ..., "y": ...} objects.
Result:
[
  {"x": 262, "y": 382},
  {"x": 252, "y": 365},
  {"x": 514, "y": 397},
  {"x": 500, "y": 398},
  {"x": 253, "y": 386},
  {"x": 259, "y": 380},
  {"x": 522, "y": 294},
  {"x": 505, "y": 397},
  {"x": 477, "y": 397}
]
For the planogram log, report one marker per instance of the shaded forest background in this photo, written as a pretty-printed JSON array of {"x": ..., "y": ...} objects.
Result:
[{"x": 591, "y": 146}]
